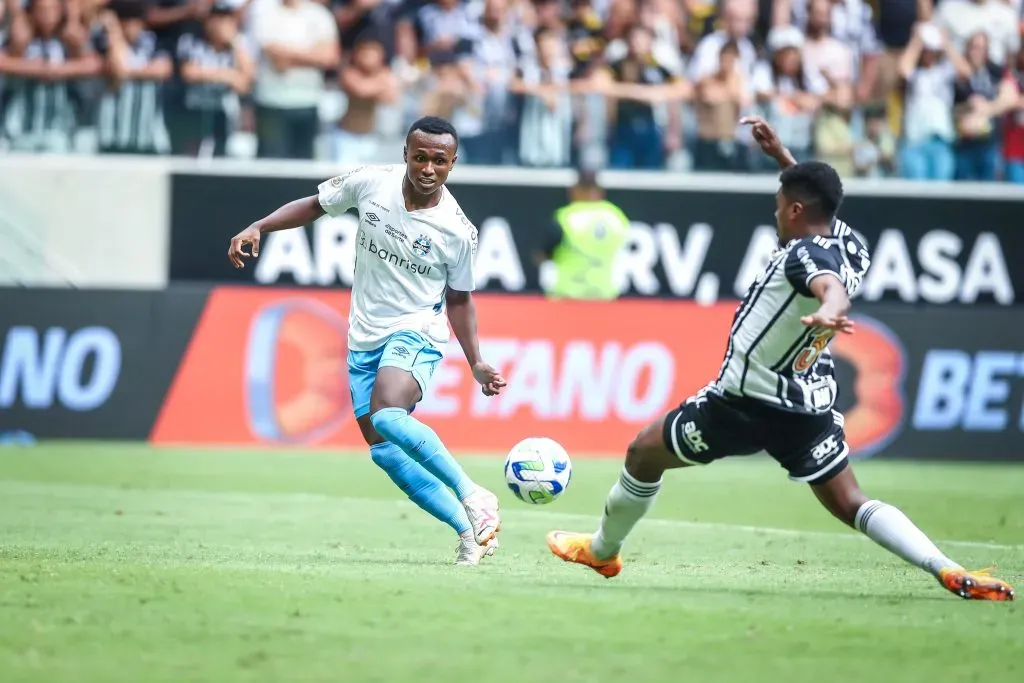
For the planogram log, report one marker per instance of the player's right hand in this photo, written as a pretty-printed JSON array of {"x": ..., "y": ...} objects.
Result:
[
  {"x": 764, "y": 135},
  {"x": 236, "y": 252}
]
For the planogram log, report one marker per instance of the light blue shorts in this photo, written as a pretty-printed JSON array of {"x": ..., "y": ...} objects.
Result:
[{"x": 407, "y": 351}]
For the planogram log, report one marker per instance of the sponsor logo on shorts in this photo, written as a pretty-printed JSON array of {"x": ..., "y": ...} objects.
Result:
[
  {"x": 826, "y": 449},
  {"x": 694, "y": 438}
]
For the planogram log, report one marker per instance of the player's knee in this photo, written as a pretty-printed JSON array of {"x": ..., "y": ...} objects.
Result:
[
  {"x": 645, "y": 460},
  {"x": 842, "y": 497},
  {"x": 370, "y": 435}
]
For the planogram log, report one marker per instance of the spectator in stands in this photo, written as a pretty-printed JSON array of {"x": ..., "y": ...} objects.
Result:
[
  {"x": 216, "y": 69},
  {"x": 996, "y": 18},
  {"x": 895, "y": 26},
  {"x": 1013, "y": 140},
  {"x": 130, "y": 118},
  {"x": 438, "y": 27},
  {"x": 493, "y": 69},
  {"x": 639, "y": 84},
  {"x": 851, "y": 22},
  {"x": 298, "y": 42},
  {"x": 789, "y": 93},
  {"x": 368, "y": 83},
  {"x": 546, "y": 115},
  {"x": 875, "y": 155},
  {"x": 40, "y": 70},
  {"x": 585, "y": 34},
  {"x": 171, "y": 19},
  {"x": 738, "y": 18},
  {"x": 930, "y": 68},
  {"x": 834, "y": 61},
  {"x": 721, "y": 97},
  {"x": 449, "y": 89},
  {"x": 981, "y": 99},
  {"x": 356, "y": 17}
]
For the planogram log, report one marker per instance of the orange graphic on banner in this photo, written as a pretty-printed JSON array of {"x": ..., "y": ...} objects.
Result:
[{"x": 268, "y": 366}]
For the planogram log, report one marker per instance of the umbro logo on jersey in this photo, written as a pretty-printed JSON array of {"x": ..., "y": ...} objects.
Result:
[{"x": 372, "y": 217}]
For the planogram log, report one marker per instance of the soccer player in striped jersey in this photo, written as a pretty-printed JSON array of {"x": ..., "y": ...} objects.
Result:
[{"x": 776, "y": 390}]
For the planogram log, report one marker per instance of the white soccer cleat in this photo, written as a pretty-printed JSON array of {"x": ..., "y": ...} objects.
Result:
[
  {"x": 469, "y": 552},
  {"x": 482, "y": 509}
]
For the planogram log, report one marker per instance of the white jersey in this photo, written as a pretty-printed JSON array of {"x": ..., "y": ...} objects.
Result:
[
  {"x": 404, "y": 259},
  {"x": 774, "y": 358}
]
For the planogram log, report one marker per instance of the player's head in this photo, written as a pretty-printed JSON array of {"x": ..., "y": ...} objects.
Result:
[
  {"x": 808, "y": 198},
  {"x": 431, "y": 148},
  {"x": 586, "y": 188}
]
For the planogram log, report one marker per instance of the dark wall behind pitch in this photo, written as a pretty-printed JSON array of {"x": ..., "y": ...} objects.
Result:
[
  {"x": 925, "y": 250},
  {"x": 91, "y": 364}
]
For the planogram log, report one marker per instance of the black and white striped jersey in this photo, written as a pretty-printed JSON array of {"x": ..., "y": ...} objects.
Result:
[
  {"x": 38, "y": 112},
  {"x": 130, "y": 116},
  {"x": 772, "y": 356}
]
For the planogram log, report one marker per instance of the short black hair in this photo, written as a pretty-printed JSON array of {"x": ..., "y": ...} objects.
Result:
[
  {"x": 433, "y": 125},
  {"x": 816, "y": 185}
]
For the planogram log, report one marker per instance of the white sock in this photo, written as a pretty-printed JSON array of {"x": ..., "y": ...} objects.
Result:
[
  {"x": 627, "y": 502},
  {"x": 893, "y": 530}
]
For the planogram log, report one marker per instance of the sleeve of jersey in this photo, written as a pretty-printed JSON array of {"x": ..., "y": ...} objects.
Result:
[
  {"x": 341, "y": 193},
  {"x": 809, "y": 260},
  {"x": 460, "y": 273}
]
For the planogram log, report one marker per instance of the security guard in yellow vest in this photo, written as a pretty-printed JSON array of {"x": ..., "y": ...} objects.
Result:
[{"x": 589, "y": 233}]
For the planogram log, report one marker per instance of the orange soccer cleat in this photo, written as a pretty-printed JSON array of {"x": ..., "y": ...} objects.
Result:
[
  {"x": 975, "y": 585},
  {"x": 573, "y": 547}
]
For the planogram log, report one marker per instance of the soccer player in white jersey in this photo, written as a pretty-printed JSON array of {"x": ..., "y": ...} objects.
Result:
[
  {"x": 776, "y": 390},
  {"x": 413, "y": 274}
]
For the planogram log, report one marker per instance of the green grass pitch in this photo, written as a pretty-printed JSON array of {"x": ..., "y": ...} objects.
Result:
[{"x": 134, "y": 564}]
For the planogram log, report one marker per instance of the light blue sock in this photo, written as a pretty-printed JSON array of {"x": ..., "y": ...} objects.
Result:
[
  {"x": 421, "y": 486},
  {"x": 422, "y": 444}
]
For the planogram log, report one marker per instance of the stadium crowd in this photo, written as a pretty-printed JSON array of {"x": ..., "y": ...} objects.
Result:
[{"x": 928, "y": 89}]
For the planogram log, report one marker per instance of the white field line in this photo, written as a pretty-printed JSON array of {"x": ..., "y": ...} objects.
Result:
[{"x": 552, "y": 518}]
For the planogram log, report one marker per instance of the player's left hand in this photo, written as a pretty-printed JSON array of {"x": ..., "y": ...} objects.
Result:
[
  {"x": 839, "y": 323},
  {"x": 236, "y": 252},
  {"x": 490, "y": 381}
]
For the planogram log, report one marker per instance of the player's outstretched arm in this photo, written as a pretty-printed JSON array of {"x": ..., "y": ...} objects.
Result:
[
  {"x": 294, "y": 214},
  {"x": 768, "y": 139},
  {"x": 462, "y": 316},
  {"x": 835, "y": 304}
]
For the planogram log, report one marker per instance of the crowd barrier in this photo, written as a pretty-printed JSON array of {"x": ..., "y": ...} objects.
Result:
[{"x": 252, "y": 366}]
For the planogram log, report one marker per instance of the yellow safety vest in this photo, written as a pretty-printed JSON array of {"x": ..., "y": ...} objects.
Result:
[{"x": 593, "y": 233}]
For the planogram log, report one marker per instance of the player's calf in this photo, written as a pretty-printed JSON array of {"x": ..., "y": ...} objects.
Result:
[
  {"x": 633, "y": 495},
  {"x": 887, "y": 526}
]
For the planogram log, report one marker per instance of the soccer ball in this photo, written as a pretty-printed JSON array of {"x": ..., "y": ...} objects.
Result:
[{"x": 538, "y": 470}]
